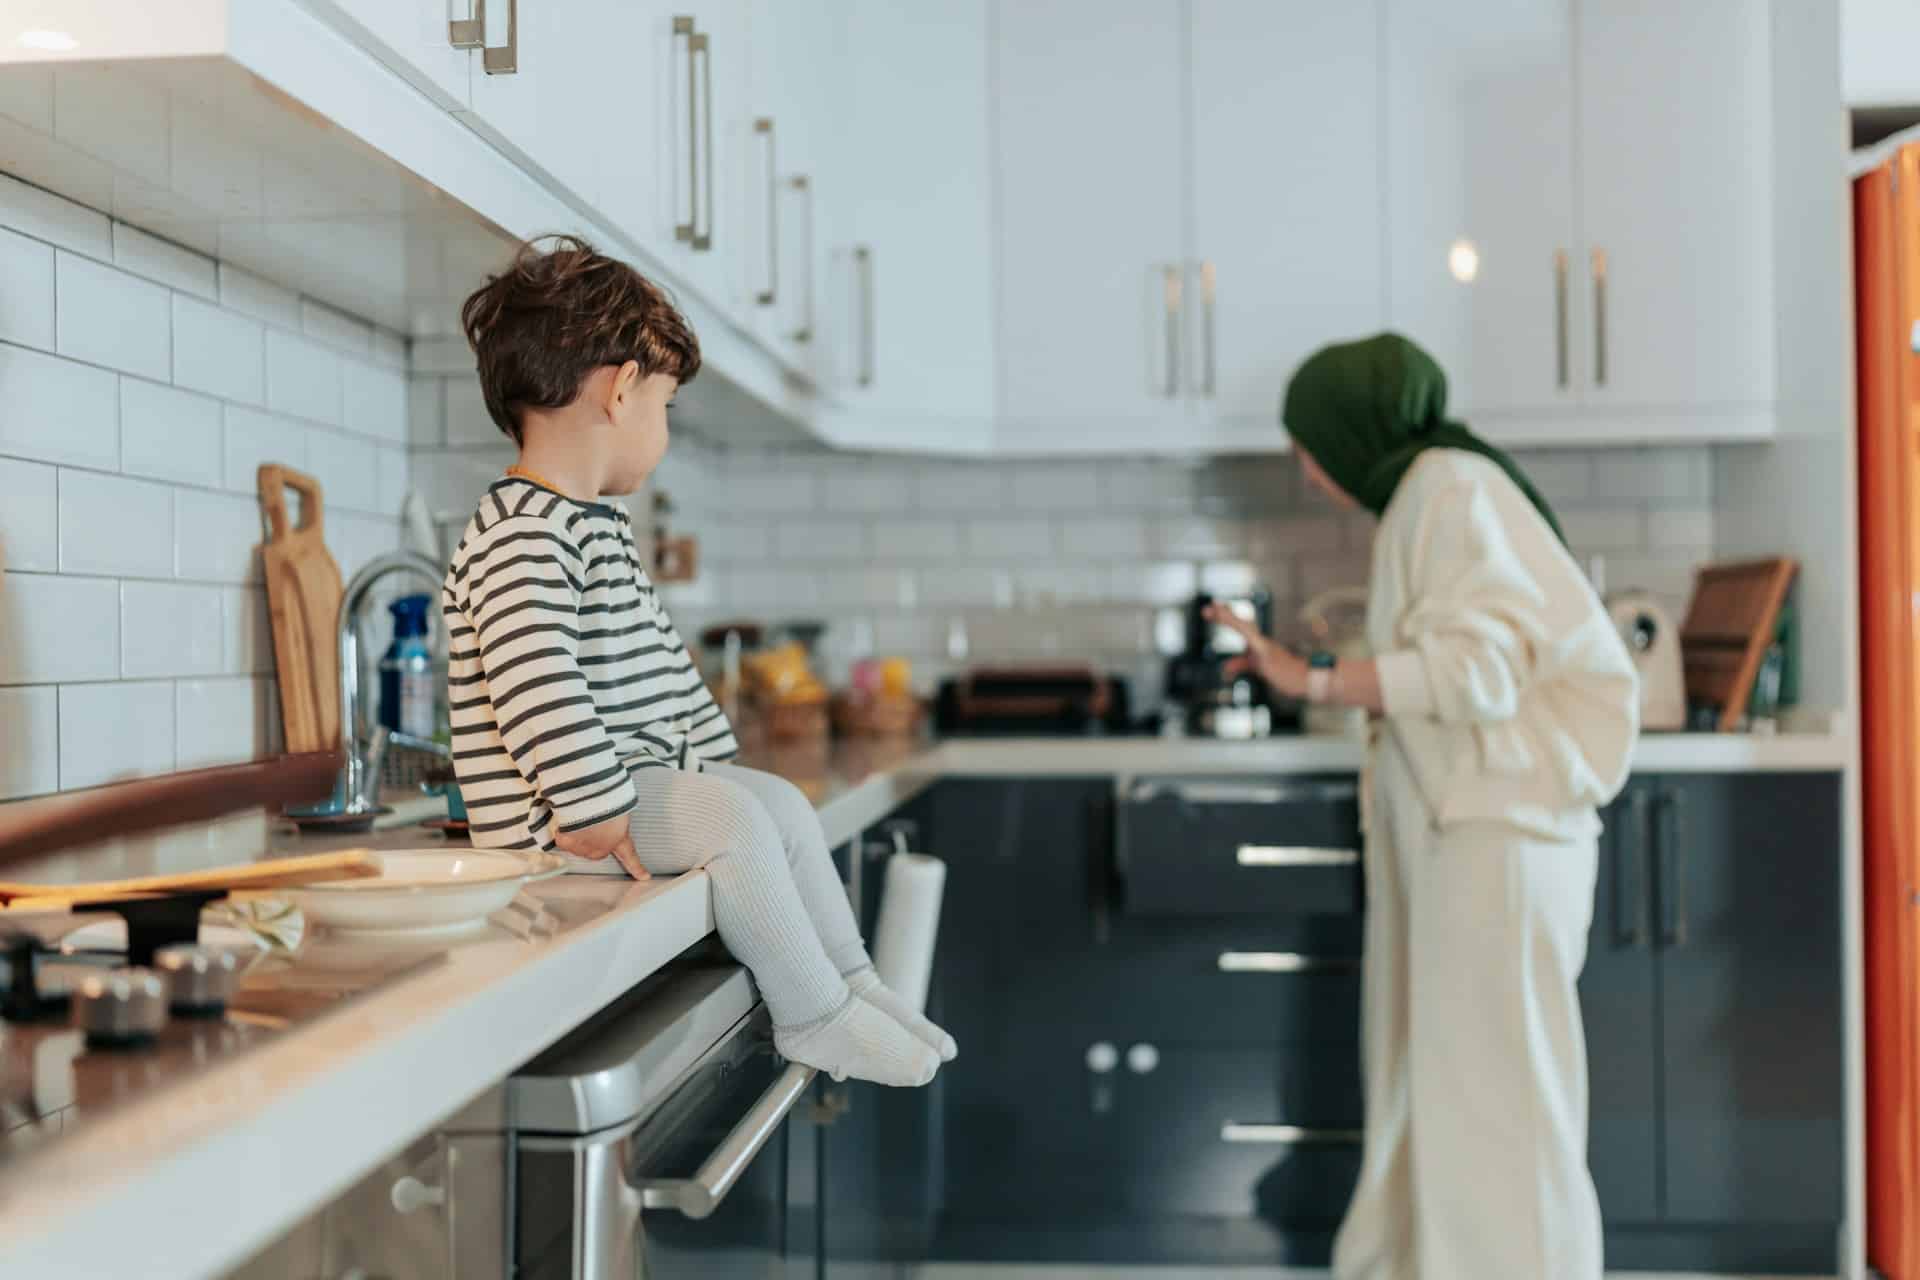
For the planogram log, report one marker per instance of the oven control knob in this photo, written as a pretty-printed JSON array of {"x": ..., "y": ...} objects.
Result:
[
  {"x": 120, "y": 1007},
  {"x": 1102, "y": 1058},
  {"x": 409, "y": 1194},
  {"x": 200, "y": 980},
  {"x": 1142, "y": 1059}
]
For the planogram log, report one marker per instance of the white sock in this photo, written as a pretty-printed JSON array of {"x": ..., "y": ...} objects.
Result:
[
  {"x": 862, "y": 1042},
  {"x": 866, "y": 984}
]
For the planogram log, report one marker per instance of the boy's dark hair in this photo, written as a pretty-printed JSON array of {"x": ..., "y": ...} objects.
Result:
[{"x": 560, "y": 312}]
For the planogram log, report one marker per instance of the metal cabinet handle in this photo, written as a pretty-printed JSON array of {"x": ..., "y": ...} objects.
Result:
[
  {"x": 1170, "y": 286},
  {"x": 863, "y": 261},
  {"x": 1631, "y": 931},
  {"x": 767, "y": 296},
  {"x": 1560, "y": 373},
  {"x": 1261, "y": 793},
  {"x": 1288, "y": 1135},
  {"x": 684, "y": 231},
  {"x": 1209, "y": 279},
  {"x": 1599, "y": 261},
  {"x": 469, "y": 32},
  {"x": 702, "y": 44},
  {"x": 1673, "y": 858},
  {"x": 700, "y": 1195},
  {"x": 1283, "y": 856},
  {"x": 803, "y": 187},
  {"x": 1283, "y": 962}
]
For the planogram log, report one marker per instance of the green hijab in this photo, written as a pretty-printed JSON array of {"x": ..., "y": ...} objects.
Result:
[{"x": 1366, "y": 410}]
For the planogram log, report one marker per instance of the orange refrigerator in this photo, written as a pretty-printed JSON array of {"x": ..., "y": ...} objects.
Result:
[{"x": 1886, "y": 210}]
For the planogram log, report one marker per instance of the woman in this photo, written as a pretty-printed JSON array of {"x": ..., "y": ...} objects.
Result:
[{"x": 1509, "y": 710}]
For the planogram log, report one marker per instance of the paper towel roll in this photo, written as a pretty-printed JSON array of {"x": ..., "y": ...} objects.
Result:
[{"x": 909, "y": 925}]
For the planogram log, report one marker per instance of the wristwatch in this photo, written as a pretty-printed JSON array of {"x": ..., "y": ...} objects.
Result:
[{"x": 1322, "y": 668}]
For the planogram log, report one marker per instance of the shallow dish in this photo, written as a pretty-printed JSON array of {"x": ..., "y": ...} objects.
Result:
[{"x": 439, "y": 889}]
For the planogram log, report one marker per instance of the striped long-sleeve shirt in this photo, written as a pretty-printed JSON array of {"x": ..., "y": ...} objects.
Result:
[{"x": 564, "y": 671}]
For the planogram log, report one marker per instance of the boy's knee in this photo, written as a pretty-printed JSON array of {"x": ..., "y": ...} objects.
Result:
[{"x": 740, "y": 818}]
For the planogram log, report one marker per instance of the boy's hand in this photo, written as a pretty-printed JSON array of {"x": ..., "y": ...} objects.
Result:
[{"x": 610, "y": 838}]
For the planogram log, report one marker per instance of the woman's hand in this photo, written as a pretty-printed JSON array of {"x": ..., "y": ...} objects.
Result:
[
  {"x": 612, "y": 838},
  {"x": 1284, "y": 672}
]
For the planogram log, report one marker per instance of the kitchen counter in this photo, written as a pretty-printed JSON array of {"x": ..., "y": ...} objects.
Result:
[{"x": 244, "y": 1149}]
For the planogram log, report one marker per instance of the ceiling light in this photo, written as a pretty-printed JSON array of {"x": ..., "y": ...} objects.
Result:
[
  {"x": 49, "y": 41},
  {"x": 1463, "y": 260}
]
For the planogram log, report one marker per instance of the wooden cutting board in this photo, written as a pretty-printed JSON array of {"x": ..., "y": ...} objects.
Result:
[
  {"x": 277, "y": 873},
  {"x": 303, "y": 597},
  {"x": 1730, "y": 623}
]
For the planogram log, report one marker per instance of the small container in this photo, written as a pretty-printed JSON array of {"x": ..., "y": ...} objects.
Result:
[{"x": 409, "y": 688}]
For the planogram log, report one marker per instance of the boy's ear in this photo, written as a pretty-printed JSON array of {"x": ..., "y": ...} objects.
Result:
[{"x": 625, "y": 382}]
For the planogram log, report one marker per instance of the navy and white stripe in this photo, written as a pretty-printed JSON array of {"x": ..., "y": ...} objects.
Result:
[{"x": 564, "y": 671}]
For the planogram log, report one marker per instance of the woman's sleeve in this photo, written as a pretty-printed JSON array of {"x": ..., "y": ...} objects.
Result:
[{"x": 1471, "y": 629}]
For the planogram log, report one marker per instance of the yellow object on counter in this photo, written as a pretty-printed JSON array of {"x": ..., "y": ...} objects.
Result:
[
  {"x": 781, "y": 676},
  {"x": 896, "y": 677}
]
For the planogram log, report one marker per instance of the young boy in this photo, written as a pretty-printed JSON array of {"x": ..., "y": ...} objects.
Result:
[{"x": 579, "y": 722}]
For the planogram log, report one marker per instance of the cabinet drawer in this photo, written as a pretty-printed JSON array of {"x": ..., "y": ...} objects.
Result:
[{"x": 1206, "y": 847}]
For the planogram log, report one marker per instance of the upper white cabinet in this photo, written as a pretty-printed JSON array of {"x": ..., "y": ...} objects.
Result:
[
  {"x": 1480, "y": 199},
  {"x": 1189, "y": 203},
  {"x": 426, "y": 41},
  {"x": 1286, "y": 199},
  {"x": 1091, "y": 154},
  {"x": 1579, "y": 202},
  {"x": 1676, "y": 208},
  {"x": 907, "y": 303}
]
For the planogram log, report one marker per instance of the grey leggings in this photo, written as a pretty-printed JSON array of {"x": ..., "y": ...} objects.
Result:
[{"x": 778, "y": 903}]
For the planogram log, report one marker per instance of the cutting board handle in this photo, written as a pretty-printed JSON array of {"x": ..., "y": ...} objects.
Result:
[{"x": 275, "y": 480}]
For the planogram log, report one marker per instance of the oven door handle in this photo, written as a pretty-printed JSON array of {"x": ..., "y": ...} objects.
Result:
[{"x": 700, "y": 1195}]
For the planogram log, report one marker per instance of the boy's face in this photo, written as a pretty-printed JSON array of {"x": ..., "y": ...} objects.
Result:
[{"x": 638, "y": 410}]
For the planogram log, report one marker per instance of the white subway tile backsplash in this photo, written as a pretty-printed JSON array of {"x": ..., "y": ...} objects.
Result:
[
  {"x": 426, "y": 412},
  {"x": 467, "y": 420},
  {"x": 221, "y": 721},
  {"x": 1560, "y": 477},
  {"x": 967, "y": 585},
  {"x": 1680, "y": 528},
  {"x": 169, "y": 629},
  {"x": 1049, "y": 586},
  {"x": 731, "y": 542},
  {"x": 1323, "y": 573},
  {"x": 1590, "y": 529},
  {"x": 57, "y": 410},
  {"x": 46, "y": 216},
  {"x": 29, "y": 517},
  {"x": 1048, "y": 486},
  {"x": 757, "y": 488},
  {"x": 389, "y": 349},
  {"x": 105, "y": 316},
  {"x": 248, "y": 294},
  {"x": 173, "y": 265},
  {"x": 395, "y": 476},
  {"x": 1147, "y": 486},
  {"x": 821, "y": 540},
  {"x": 169, "y": 434},
  {"x": 1199, "y": 536},
  {"x": 216, "y": 537},
  {"x": 114, "y": 731},
  {"x": 863, "y": 588},
  {"x": 346, "y": 469},
  {"x": 969, "y": 488},
  {"x": 916, "y": 539},
  {"x": 303, "y": 378},
  {"x": 254, "y": 438},
  {"x": 1010, "y": 538},
  {"x": 872, "y": 486},
  {"x": 26, "y": 291},
  {"x": 1304, "y": 535},
  {"x": 334, "y": 327},
  {"x": 451, "y": 357},
  {"x": 1168, "y": 583},
  {"x": 1652, "y": 475},
  {"x": 54, "y": 629},
  {"x": 1246, "y": 486},
  {"x": 109, "y": 524},
  {"x": 218, "y": 352},
  {"x": 246, "y": 646},
  {"x": 374, "y": 401},
  {"x": 1104, "y": 538},
  {"x": 30, "y": 746}
]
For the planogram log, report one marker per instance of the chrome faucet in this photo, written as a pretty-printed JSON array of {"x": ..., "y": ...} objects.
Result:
[{"x": 358, "y": 790}]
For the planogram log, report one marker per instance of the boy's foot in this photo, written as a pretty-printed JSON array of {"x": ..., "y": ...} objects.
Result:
[
  {"x": 866, "y": 984},
  {"x": 861, "y": 1042}
]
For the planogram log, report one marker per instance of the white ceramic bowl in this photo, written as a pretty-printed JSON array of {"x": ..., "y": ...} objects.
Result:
[{"x": 446, "y": 891}]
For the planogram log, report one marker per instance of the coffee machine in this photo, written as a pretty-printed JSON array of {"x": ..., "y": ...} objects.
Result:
[{"x": 1207, "y": 701}]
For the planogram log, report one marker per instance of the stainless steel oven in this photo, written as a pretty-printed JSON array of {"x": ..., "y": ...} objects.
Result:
[{"x": 651, "y": 1142}]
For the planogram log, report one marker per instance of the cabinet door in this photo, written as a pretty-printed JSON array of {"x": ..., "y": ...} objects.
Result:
[
  {"x": 1676, "y": 193},
  {"x": 413, "y": 37},
  {"x": 1619, "y": 1005},
  {"x": 909, "y": 311},
  {"x": 1091, "y": 147},
  {"x": 1286, "y": 194},
  {"x": 1749, "y": 916},
  {"x": 1479, "y": 184}
]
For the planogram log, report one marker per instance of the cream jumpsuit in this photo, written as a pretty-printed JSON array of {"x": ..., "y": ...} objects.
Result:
[{"x": 1511, "y": 710}]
